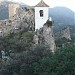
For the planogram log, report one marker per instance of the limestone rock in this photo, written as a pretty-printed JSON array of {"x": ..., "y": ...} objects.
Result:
[
  {"x": 36, "y": 39},
  {"x": 49, "y": 37},
  {"x": 63, "y": 33},
  {"x": 45, "y": 36},
  {"x": 66, "y": 33},
  {"x": 24, "y": 19}
]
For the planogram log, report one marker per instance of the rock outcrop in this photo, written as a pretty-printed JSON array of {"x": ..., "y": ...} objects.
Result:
[
  {"x": 49, "y": 36},
  {"x": 24, "y": 19},
  {"x": 63, "y": 33},
  {"x": 66, "y": 33},
  {"x": 45, "y": 36}
]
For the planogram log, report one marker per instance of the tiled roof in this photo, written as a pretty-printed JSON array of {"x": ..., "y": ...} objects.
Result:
[{"x": 41, "y": 4}]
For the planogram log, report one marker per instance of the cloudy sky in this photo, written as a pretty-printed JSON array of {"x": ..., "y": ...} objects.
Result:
[{"x": 52, "y": 3}]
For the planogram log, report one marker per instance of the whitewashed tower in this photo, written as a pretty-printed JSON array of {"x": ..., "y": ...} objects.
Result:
[{"x": 41, "y": 14}]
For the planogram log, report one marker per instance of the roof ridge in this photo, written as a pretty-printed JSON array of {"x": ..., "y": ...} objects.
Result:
[{"x": 41, "y": 4}]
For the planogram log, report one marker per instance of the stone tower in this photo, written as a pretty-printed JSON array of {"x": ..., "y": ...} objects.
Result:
[
  {"x": 12, "y": 9},
  {"x": 41, "y": 14}
]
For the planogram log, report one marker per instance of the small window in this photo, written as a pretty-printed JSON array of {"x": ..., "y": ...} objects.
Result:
[{"x": 41, "y": 13}]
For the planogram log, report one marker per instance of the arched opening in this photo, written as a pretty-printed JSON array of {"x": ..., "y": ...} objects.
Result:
[{"x": 41, "y": 13}]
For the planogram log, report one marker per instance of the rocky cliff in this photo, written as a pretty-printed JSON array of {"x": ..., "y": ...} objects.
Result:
[
  {"x": 24, "y": 19},
  {"x": 45, "y": 36},
  {"x": 63, "y": 33}
]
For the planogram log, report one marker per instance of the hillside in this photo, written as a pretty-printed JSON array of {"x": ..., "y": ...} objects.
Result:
[
  {"x": 19, "y": 55},
  {"x": 3, "y": 12},
  {"x": 61, "y": 16},
  {"x": 23, "y": 59}
]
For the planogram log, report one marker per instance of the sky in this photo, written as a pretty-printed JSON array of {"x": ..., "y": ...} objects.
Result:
[{"x": 52, "y": 3}]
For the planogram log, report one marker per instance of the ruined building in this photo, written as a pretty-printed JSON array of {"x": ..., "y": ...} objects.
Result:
[
  {"x": 13, "y": 9},
  {"x": 26, "y": 18}
]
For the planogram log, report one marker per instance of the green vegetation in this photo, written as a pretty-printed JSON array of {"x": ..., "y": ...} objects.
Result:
[
  {"x": 66, "y": 42},
  {"x": 40, "y": 61},
  {"x": 17, "y": 42},
  {"x": 31, "y": 60}
]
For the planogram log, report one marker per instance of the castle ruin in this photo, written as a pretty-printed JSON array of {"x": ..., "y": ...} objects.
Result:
[{"x": 24, "y": 18}]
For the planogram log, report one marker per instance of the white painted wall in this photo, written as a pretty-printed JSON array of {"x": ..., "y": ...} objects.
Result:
[{"x": 39, "y": 21}]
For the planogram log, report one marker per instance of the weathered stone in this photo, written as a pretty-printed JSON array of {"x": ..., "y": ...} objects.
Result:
[
  {"x": 49, "y": 37},
  {"x": 66, "y": 33},
  {"x": 45, "y": 36},
  {"x": 23, "y": 19},
  {"x": 36, "y": 39}
]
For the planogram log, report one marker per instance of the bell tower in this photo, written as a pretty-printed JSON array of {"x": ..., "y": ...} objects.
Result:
[{"x": 41, "y": 14}]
